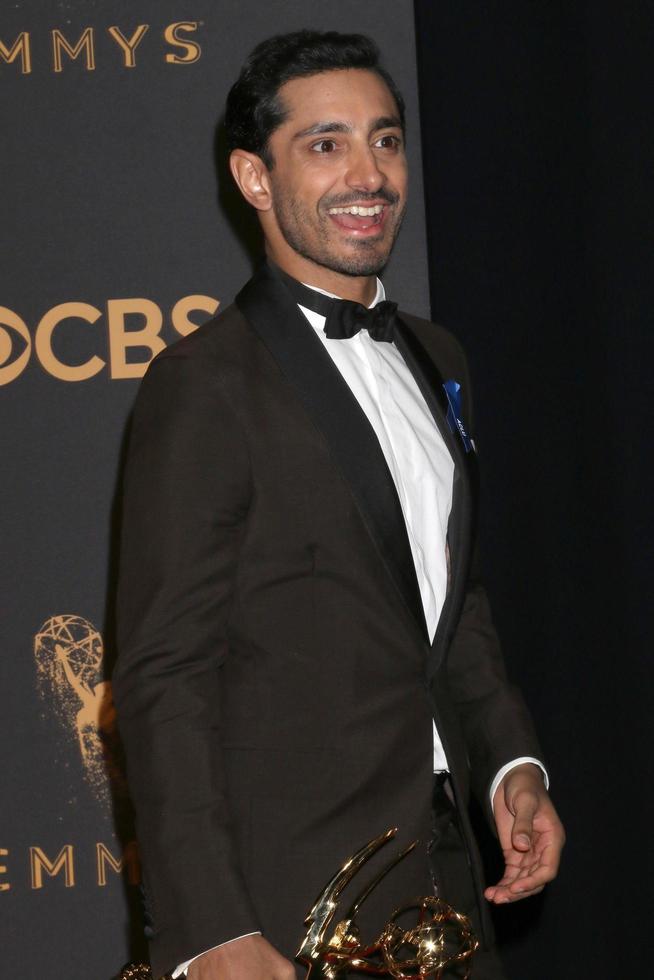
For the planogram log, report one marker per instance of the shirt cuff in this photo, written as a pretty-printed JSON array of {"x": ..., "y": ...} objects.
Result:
[
  {"x": 511, "y": 765},
  {"x": 183, "y": 967}
]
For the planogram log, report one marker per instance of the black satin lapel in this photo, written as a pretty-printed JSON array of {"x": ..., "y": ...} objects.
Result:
[
  {"x": 429, "y": 380},
  {"x": 272, "y": 312},
  {"x": 461, "y": 527}
]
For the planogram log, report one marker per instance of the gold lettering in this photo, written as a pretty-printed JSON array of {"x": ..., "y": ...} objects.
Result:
[
  {"x": 121, "y": 339},
  {"x": 128, "y": 861},
  {"x": 39, "y": 862},
  {"x": 4, "y": 885},
  {"x": 85, "y": 44},
  {"x": 43, "y": 342},
  {"x": 129, "y": 46},
  {"x": 183, "y": 307},
  {"x": 192, "y": 49},
  {"x": 21, "y": 46},
  {"x": 11, "y": 371}
]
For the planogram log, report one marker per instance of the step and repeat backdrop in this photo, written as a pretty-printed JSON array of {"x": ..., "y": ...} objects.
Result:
[{"x": 119, "y": 233}]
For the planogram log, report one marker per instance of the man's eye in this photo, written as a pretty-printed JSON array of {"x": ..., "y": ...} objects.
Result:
[
  {"x": 388, "y": 142},
  {"x": 324, "y": 146}
]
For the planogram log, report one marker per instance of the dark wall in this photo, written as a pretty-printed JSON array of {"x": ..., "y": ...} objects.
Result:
[{"x": 536, "y": 121}]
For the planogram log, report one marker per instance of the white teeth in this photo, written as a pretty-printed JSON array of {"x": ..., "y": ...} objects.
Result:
[{"x": 362, "y": 212}]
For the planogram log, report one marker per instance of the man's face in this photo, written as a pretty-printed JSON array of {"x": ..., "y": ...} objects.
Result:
[{"x": 339, "y": 176}]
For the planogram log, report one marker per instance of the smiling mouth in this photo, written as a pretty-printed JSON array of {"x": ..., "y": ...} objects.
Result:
[{"x": 358, "y": 217}]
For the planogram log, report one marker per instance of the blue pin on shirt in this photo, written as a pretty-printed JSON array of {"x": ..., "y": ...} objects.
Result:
[{"x": 453, "y": 392}]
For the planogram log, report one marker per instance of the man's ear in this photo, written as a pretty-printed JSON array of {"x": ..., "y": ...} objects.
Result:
[{"x": 251, "y": 175}]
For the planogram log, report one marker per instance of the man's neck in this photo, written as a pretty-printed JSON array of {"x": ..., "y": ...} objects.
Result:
[{"x": 360, "y": 289}]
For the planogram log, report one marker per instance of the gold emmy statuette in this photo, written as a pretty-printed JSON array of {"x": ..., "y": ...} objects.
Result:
[
  {"x": 137, "y": 971},
  {"x": 441, "y": 939}
]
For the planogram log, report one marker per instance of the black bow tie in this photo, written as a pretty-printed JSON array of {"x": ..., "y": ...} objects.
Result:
[
  {"x": 343, "y": 317},
  {"x": 346, "y": 318}
]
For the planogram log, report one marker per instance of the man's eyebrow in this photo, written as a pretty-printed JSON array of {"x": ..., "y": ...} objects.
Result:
[
  {"x": 386, "y": 122},
  {"x": 321, "y": 128},
  {"x": 324, "y": 127}
]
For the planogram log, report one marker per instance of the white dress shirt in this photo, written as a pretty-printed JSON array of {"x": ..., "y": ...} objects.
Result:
[
  {"x": 414, "y": 450},
  {"x": 419, "y": 462}
]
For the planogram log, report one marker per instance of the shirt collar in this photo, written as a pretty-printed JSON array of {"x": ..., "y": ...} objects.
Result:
[{"x": 380, "y": 295}]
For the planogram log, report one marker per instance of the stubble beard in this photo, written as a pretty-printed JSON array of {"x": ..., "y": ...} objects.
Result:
[{"x": 369, "y": 258}]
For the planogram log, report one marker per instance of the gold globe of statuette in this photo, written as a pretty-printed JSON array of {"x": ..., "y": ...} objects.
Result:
[
  {"x": 442, "y": 940},
  {"x": 137, "y": 971}
]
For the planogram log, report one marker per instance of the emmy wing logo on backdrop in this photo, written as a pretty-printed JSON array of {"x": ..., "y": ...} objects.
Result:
[{"x": 69, "y": 654}]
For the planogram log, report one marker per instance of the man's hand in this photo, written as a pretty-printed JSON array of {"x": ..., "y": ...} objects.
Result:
[
  {"x": 249, "y": 958},
  {"x": 531, "y": 835}
]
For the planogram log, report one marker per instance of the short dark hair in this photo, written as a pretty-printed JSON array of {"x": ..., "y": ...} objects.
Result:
[{"x": 254, "y": 109}]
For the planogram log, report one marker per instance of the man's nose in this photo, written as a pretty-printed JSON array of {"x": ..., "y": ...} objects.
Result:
[{"x": 363, "y": 170}]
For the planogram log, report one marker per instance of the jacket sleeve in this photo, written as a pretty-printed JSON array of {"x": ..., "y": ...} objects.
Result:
[
  {"x": 496, "y": 723},
  {"x": 185, "y": 502}
]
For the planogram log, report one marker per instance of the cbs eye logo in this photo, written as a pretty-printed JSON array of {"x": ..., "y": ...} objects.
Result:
[
  {"x": 124, "y": 330},
  {"x": 15, "y": 346}
]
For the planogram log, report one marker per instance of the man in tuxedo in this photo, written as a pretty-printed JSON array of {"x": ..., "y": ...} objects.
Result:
[{"x": 306, "y": 654}]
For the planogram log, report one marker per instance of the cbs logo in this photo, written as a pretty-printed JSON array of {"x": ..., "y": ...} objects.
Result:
[{"x": 115, "y": 342}]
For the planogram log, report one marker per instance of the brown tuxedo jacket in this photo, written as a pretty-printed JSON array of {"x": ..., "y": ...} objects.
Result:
[{"x": 275, "y": 683}]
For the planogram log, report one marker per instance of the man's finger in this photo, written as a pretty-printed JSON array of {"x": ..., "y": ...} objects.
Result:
[
  {"x": 526, "y": 805},
  {"x": 511, "y": 872},
  {"x": 503, "y": 896},
  {"x": 534, "y": 879}
]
